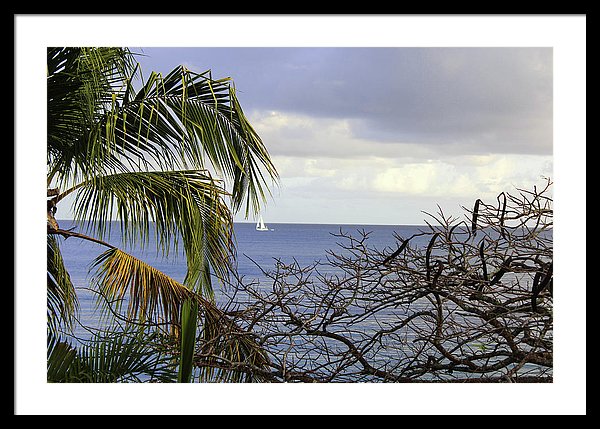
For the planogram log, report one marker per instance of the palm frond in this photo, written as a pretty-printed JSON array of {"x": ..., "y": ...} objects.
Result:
[
  {"x": 188, "y": 120},
  {"x": 81, "y": 83},
  {"x": 189, "y": 322},
  {"x": 60, "y": 362},
  {"x": 123, "y": 356},
  {"x": 150, "y": 294},
  {"x": 100, "y": 124},
  {"x": 182, "y": 207},
  {"x": 62, "y": 298}
]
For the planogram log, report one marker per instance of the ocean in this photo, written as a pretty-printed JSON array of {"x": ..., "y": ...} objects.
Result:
[
  {"x": 305, "y": 244},
  {"x": 258, "y": 251}
]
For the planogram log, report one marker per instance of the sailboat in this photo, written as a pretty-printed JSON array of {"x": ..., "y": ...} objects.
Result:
[{"x": 260, "y": 225}]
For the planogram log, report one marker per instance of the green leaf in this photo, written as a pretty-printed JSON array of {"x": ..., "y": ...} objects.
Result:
[
  {"x": 180, "y": 206},
  {"x": 151, "y": 295},
  {"x": 62, "y": 299},
  {"x": 141, "y": 152},
  {"x": 189, "y": 320},
  {"x": 125, "y": 354},
  {"x": 60, "y": 359}
]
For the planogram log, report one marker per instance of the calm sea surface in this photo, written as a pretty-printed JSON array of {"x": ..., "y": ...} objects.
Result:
[{"x": 304, "y": 243}]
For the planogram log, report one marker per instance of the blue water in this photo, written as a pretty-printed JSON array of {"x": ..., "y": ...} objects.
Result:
[
  {"x": 256, "y": 251},
  {"x": 304, "y": 244}
]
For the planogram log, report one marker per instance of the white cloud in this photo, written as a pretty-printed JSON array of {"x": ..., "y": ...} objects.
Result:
[
  {"x": 294, "y": 166},
  {"x": 428, "y": 178},
  {"x": 477, "y": 177},
  {"x": 325, "y": 148},
  {"x": 320, "y": 168},
  {"x": 288, "y": 134},
  {"x": 302, "y": 135},
  {"x": 378, "y": 177},
  {"x": 372, "y": 126}
]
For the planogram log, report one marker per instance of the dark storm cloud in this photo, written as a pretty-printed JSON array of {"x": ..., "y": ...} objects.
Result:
[{"x": 461, "y": 100}]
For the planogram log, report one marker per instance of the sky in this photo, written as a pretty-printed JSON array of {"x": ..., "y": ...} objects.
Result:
[{"x": 380, "y": 135}]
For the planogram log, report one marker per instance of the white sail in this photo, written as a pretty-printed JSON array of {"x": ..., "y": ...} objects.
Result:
[{"x": 260, "y": 225}]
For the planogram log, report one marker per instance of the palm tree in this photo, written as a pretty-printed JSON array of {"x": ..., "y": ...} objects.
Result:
[{"x": 175, "y": 157}]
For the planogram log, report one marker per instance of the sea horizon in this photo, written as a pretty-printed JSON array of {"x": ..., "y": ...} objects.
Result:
[{"x": 291, "y": 223}]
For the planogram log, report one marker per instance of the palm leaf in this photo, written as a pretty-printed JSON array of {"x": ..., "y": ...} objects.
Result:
[
  {"x": 189, "y": 320},
  {"x": 153, "y": 296},
  {"x": 188, "y": 120},
  {"x": 62, "y": 298},
  {"x": 181, "y": 206},
  {"x": 123, "y": 356},
  {"x": 150, "y": 294},
  {"x": 80, "y": 85},
  {"x": 60, "y": 361}
]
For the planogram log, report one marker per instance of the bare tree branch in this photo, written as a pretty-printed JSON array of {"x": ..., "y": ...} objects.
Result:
[{"x": 461, "y": 301}]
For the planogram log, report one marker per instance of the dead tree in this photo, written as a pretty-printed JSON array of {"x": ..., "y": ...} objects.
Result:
[{"x": 462, "y": 300}]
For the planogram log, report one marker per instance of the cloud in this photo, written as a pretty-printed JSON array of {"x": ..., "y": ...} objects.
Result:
[
  {"x": 456, "y": 100},
  {"x": 383, "y": 133},
  {"x": 324, "y": 156},
  {"x": 419, "y": 179},
  {"x": 483, "y": 178},
  {"x": 382, "y": 177},
  {"x": 394, "y": 190},
  {"x": 301, "y": 135},
  {"x": 462, "y": 100}
]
